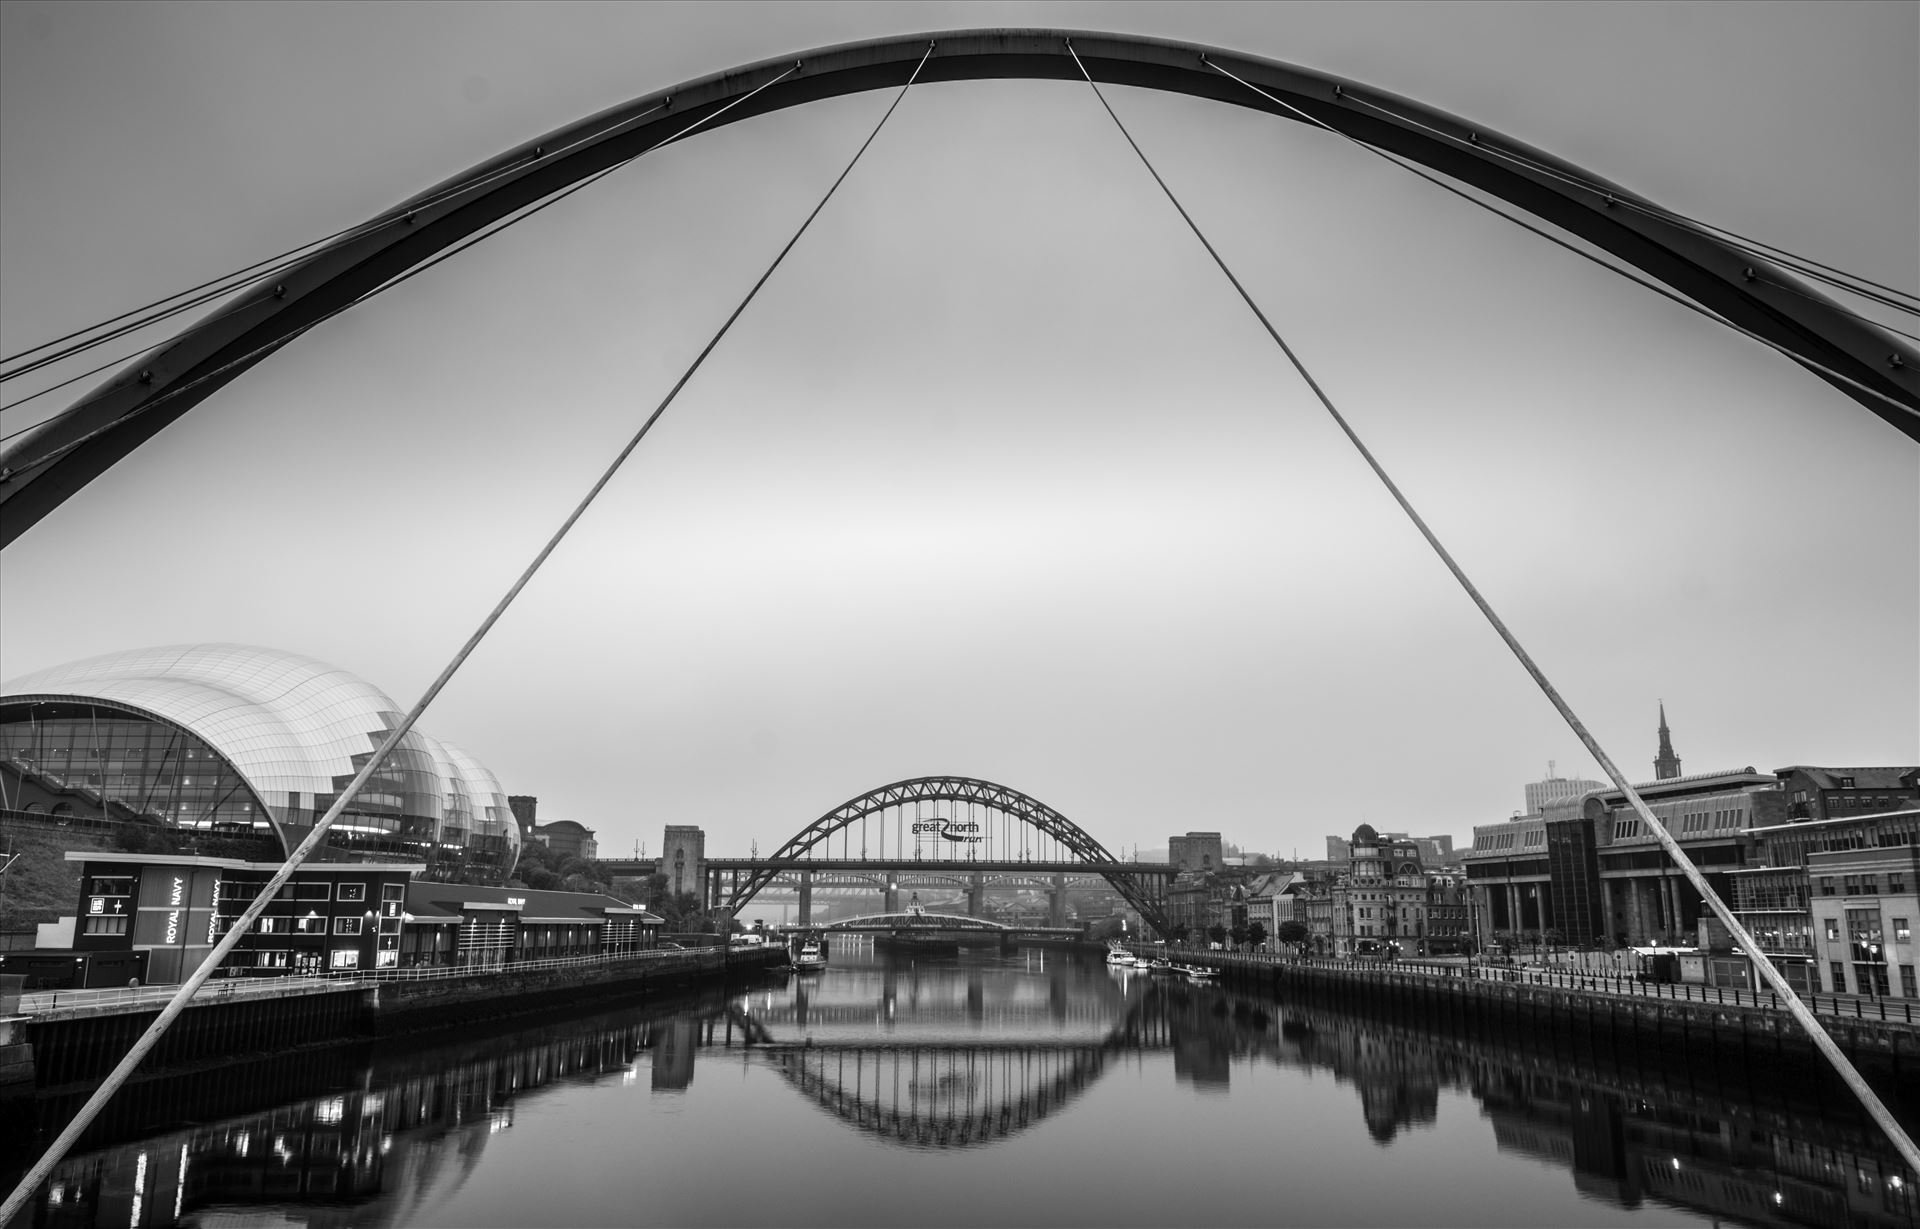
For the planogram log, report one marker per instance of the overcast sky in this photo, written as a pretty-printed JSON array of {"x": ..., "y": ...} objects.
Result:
[{"x": 997, "y": 477}]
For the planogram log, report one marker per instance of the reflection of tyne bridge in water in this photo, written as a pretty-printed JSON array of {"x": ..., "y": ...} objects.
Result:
[
  {"x": 954, "y": 1065},
  {"x": 952, "y": 1056}
]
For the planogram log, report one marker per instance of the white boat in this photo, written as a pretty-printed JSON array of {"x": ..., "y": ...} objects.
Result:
[
  {"x": 1118, "y": 955},
  {"x": 809, "y": 957}
]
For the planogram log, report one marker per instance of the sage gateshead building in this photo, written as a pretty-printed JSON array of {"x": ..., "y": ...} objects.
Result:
[{"x": 229, "y": 742}]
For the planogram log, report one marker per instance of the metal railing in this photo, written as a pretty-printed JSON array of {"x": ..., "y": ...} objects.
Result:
[
  {"x": 444, "y": 972},
  {"x": 1839, "y": 1006},
  {"x": 44, "y": 1002},
  {"x": 230, "y": 989}
]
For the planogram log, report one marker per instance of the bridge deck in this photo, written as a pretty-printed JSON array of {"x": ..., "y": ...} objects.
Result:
[{"x": 995, "y": 865}]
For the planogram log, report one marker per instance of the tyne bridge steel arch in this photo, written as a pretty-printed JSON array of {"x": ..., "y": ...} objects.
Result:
[
  {"x": 51, "y": 463},
  {"x": 1083, "y": 849}
]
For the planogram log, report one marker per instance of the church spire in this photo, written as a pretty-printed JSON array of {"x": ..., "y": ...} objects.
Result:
[{"x": 1666, "y": 765}]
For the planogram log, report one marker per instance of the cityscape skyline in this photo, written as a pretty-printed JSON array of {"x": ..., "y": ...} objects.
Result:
[{"x": 850, "y": 559}]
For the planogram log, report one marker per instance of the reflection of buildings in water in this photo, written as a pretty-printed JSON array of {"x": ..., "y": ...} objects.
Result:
[
  {"x": 1398, "y": 1086},
  {"x": 979, "y": 1059},
  {"x": 1628, "y": 1150},
  {"x": 1685, "y": 1141},
  {"x": 673, "y": 1043},
  {"x": 375, "y": 1155},
  {"x": 1203, "y": 1041}
]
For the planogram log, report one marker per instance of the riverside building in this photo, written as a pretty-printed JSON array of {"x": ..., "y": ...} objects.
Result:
[
  {"x": 1833, "y": 902},
  {"x": 1589, "y": 873},
  {"x": 157, "y": 917}
]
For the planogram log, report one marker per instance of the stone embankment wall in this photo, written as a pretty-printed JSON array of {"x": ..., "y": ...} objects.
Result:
[
  {"x": 1602, "y": 1017},
  {"x": 411, "y": 1006},
  {"x": 83, "y": 1044}
]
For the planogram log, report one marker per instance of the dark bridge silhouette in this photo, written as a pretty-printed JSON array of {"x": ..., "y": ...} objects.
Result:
[
  {"x": 51, "y": 463},
  {"x": 949, "y": 1094},
  {"x": 989, "y": 832}
]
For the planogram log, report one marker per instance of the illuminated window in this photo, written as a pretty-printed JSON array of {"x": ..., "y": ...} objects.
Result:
[{"x": 346, "y": 926}]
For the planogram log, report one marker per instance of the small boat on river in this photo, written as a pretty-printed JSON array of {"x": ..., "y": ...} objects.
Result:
[
  {"x": 810, "y": 958},
  {"x": 1117, "y": 955}
]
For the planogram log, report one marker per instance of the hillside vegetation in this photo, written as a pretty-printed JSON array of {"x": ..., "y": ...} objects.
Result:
[{"x": 40, "y": 885}]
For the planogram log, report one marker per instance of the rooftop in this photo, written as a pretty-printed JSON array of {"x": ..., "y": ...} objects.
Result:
[{"x": 1837, "y": 819}]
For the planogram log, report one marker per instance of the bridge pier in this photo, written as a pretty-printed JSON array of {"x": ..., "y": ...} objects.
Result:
[
  {"x": 976, "y": 895},
  {"x": 892, "y": 895},
  {"x": 1057, "y": 902},
  {"x": 806, "y": 898}
]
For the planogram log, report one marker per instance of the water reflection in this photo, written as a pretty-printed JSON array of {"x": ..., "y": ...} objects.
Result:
[{"x": 950, "y": 1058}]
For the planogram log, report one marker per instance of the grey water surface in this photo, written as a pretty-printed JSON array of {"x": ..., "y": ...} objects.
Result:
[{"x": 1025, "y": 1088}]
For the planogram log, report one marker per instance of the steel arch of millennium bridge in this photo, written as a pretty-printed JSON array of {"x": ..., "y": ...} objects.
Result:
[
  {"x": 51, "y": 463},
  {"x": 1143, "y": 885}
]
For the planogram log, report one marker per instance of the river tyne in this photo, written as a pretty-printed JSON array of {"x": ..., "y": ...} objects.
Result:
[{"x": 1026, "y": 1088}]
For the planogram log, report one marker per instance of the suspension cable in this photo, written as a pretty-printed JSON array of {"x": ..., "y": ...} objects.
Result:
[
  {"x": 1806, "y": 264},
  {"x": 1756, "y": 276},
  {"x": 60, "y": 1146},
  {"x": 277, "y": 343},
  {"x": 91, "y": 371},
  {"x": 1549, "y": 236},
  {"x": 260, "y": 270},
  {"x": 270, "y": 346},
  {"x": 1821, "y": 1040}
]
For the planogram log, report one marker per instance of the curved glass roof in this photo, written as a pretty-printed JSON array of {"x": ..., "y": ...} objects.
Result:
[{"x": 295, "y": 728}]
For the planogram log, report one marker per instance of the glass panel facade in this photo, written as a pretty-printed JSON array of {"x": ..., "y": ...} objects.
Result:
[
  {"x": 232, "y": 740},
  {"x": 102, "y": 762}
]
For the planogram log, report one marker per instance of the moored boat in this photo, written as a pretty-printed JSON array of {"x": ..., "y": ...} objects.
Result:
[{"x": 810, "y": 958}]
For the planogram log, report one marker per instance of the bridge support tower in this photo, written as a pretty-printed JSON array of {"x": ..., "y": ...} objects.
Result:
[
  {"x": 1057, "y": 902},
  {"x": 976, "y": 895},
  {"x": 806, "y": 898}
]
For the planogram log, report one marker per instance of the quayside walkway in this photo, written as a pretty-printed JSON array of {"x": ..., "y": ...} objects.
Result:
[
  {"x": 59, "y": 1037},
  {"x": 1838, "y": 1006},
  {"x": 77, "y": 1004},
  {"x": 1882, "y": 1035}
]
